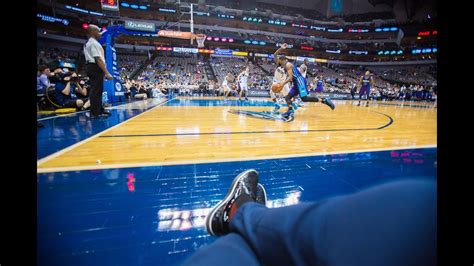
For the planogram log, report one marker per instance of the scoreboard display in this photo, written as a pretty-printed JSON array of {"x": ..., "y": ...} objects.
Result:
[{"x": 110, "y": 5}]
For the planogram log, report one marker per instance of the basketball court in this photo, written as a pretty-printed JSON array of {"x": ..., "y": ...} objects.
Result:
[{"x": 135, "y": 188}]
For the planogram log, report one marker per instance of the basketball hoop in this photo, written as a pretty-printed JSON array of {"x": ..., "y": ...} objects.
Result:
[{"x": 200, "y": 38}]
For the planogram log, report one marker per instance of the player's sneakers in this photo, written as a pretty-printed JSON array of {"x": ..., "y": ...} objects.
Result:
[
  {"x": 276, "y": 108},
  {"x": 243, "y": 190},
  {"x": 295, "y": 106},
  {"x": 288, "y": 113},
  {"x": 328, "y": 102},
  {"x": 367, "y": 104}
]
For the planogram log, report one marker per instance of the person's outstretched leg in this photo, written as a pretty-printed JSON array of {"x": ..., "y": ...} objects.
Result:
[
  {"x": 231, "y": 249},
  {"x": 392, "y": 224},
  {"x": 227, "y": 250}
]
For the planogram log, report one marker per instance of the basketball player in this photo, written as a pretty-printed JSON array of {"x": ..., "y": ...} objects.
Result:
[
  {"x": 242, "y": 83},
  {"x": 303, "y": 70},
  {"x": 320, "y": 84},
  {"x": 227, "y": 84},
  {"x": 279, "y": 77},
  {"x": 364, "y": 84},
  {"x": 300, "y": 86}
]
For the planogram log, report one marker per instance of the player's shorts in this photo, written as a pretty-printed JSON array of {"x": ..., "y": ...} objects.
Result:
[
  {"x": 364, "y": 90},
  {"x": 319, "y": 89},
  {"x": 301, "y": 90},
  {"x": 243, "y": 87}
]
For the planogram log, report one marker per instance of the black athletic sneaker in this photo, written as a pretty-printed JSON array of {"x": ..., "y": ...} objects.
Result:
[
  {"x": 328, "y": 102},
  {"x": 243, "y": 190}
]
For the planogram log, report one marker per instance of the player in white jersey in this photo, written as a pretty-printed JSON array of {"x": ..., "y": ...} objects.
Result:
[
  {"x": 242, "y": 79},
  {"x": 227, "y": 85},
  {"x": 304, "y": 68},
  {"x": 279, "y": 77}
]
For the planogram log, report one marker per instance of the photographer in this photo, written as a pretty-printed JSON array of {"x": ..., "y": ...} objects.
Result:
[{"x": 67, "y": 91}]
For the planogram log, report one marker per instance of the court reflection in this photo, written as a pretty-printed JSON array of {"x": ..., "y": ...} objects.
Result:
[{"x": 175, "y": 219}]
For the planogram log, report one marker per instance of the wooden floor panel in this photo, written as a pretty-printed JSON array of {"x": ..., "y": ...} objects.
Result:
[{"x": 186, "y": 134}]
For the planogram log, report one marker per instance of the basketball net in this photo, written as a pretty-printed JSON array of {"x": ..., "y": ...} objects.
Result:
[{"x": 200, "y": 38}]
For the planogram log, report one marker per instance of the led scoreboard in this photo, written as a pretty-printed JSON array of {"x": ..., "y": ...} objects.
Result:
[{"x": 110, "y": 5}]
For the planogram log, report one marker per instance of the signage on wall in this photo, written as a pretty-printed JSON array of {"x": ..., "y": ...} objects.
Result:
[{"x": 140, "y": 26}]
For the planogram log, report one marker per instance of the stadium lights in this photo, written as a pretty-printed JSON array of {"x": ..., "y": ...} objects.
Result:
[
  {"x": 222, "y": 39},
  {"x": 277, "y": 22},
  {"x": 317, "y": 28},
  {"x": 299, "y": 26},
  {"x": 167, "y": 10},
  {"x": 279, "y": 44},
  {"x": 359, "y": 52},
  {"x": 225, "y": 16},
  {"x": 164, "y": 48},
  {"x": 358, "y": 30},
  {"x": 254, "y": 42}
]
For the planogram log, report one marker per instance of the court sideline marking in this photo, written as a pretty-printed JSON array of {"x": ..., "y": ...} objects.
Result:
[
  {"x": 254, "y": 158},
  {"x": 58, "y": 153}
]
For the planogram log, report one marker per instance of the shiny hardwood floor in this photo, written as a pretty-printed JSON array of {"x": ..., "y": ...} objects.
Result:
[{"x": 182, "y": 134}]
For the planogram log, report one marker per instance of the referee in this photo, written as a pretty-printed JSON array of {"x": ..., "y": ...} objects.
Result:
[{"x": 96, "y": 70}]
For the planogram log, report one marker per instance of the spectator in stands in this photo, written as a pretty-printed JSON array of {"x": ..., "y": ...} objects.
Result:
[
  {"x": 42, "y": 59},
  {"x": 42, "y": 81},
  {"x": 66, "y": 92},
  {"x": 137, "y": 91}
]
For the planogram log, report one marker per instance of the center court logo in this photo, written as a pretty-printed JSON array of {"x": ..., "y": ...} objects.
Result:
[{"x": 263, "y": 115}]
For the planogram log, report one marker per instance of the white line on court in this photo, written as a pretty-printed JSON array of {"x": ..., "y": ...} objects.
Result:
[
  {"x": 56, "y": 154},
  {"x": 130, "y": 165}
]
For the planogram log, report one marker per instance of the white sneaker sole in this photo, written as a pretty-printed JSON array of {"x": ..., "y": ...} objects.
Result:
[{"x": 264, "y": 193}]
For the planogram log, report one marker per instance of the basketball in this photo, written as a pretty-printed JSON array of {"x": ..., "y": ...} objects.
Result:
[{"x": 276, "y": 87}]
